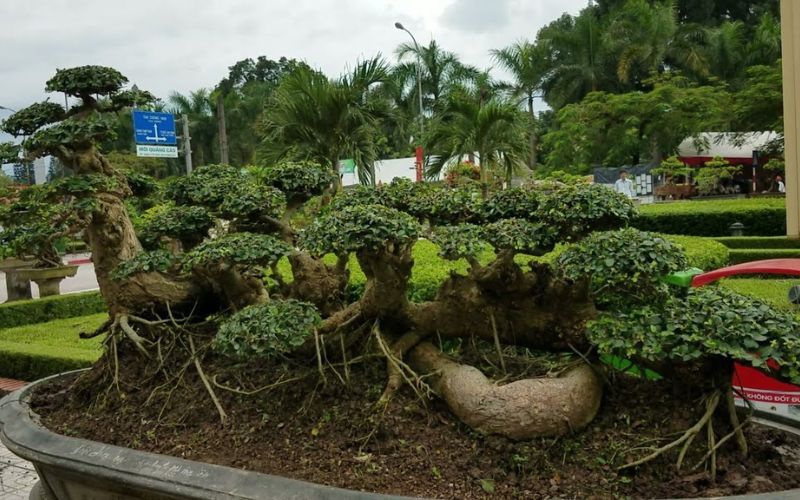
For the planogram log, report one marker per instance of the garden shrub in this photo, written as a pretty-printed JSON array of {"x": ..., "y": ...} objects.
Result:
[
  {"x": 40, "y": 310},
  {"x": 761, "y": 217}
]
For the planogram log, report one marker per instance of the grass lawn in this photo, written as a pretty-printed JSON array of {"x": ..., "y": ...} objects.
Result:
[
  {"x": 775, "y": 292},
  {"x": 33, "y": 351}
]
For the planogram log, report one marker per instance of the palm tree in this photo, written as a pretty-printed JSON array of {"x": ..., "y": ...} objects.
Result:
[
  {"x": 764, "y": 47},
  {"x": 494, "y": 130},
  {"x": 726, "y": 49},
  {"x": 202, "y": 125},
  {"x": 640, "y": 34},
  {"x": 527, "y": 64},
  {"x": 441, "y": 70},
  {"x": 577, "y": 59},
  {"x": 312, "y": 117}
]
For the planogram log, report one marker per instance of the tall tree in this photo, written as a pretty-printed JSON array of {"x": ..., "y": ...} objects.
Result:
[
  {"x": 578, "y": 60},
  {"x": 197, "y": 105},
  {"x": 245, "y": 91},
  {"x": 312, "y": 117},
  {"x": 619, "y": 129},
  {"x": 527, "y": 64},
  {"x": 441, "y": 71}
]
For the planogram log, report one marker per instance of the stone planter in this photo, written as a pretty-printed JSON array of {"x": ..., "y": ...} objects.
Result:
[
  {"x": 17, "y": 287},
  {"x": 48, "y": 278},
  {"x": 73, "y": 469}
]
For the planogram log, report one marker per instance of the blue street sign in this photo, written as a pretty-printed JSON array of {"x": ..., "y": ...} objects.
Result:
[{"x": 150, "y": 127}]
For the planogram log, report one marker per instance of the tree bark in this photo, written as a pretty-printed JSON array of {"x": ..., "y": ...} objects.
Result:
[
  {"x": 534, "y": 137},
  {"x": 529, "y": 308},
  {"x": 318, "y": 283},
  {"x": 387, "y": 271},
  {"x": 521, "y": 410}
]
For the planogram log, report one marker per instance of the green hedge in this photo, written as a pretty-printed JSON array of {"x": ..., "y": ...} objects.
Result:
[
  {"x": 739, "y": 255},
  {"x": 31, "y": 352},
  {"x": 71, "y": 305},
  {"x": 761, "y": 217},
  {"x": 703, "y": 253},
  {"x": 758, "y": 242}
]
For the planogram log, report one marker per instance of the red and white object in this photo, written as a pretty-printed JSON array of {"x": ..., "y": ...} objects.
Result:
[{"x": 764, "y": 392}]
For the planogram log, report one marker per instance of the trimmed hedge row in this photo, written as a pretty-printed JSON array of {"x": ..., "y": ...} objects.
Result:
[
  {"x": 761, "y": 217},
  {"x": 27, "y": 312},
  {"x": 758, "y": 242},
  {"x": 740, "y": 255},
  {"x": 31, "y": 352},
  {"x": 703, "y": 253}
]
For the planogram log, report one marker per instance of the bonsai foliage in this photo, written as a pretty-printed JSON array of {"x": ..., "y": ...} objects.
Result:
[
  {"x": 237, "y": 248},
  {"x": 266, "y": 330},
  {"x": 299, "y": 181},
  {"x": 359, "y": 228},
  {"x": 707, "y": 322},
  {"x": 625, "y": 267}
]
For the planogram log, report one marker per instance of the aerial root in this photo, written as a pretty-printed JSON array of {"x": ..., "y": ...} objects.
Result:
[
  {"x": 686, "y": 439},
  {"x": 398, "y": 370},
  {"x": 222, "y": 415}
]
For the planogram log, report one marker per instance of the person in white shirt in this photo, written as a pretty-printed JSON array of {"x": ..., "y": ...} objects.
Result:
[
  {"x": 781, "y": 185},
  {"x": 624, "y": 185}
]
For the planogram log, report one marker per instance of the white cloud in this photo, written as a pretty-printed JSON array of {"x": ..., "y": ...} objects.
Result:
[{"x": 182, "y": 45}]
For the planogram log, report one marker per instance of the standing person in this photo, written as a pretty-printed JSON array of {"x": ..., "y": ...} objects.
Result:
[
  {"x": 624, "y": 185},
  {"x": 781, "y": 185}
]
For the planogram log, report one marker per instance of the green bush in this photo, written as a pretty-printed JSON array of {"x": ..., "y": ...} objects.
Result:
[
  {"x": 758, "y": 242},
  {"x": 740, "y": 255},
  {"x": 703, "y": 253},
  {"x": 49, "y": 308},
  {"x": 31, "y": 352},
  {"x": 761, "y": 217}
]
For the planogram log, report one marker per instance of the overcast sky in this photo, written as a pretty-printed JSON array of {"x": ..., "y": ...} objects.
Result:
[{"x": 182, "y": 45}]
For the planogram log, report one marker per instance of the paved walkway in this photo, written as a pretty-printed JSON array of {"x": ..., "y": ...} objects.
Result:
[{"x": 17, "y": 476}]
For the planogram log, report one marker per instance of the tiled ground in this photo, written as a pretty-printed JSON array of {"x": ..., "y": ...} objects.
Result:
[{"x": 17, "y": 476}]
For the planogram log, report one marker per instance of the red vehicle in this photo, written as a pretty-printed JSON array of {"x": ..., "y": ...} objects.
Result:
[{"x": 766, "y": 393}]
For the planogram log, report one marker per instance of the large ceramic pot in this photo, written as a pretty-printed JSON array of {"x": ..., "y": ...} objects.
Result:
[
  {"x": 49, "y": 278},
  {"x": 73, "y": 469},
  {"x": 17, "y": 287}
]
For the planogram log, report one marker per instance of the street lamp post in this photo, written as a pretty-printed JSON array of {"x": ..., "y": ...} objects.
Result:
[{"x": 400, "y": 26}]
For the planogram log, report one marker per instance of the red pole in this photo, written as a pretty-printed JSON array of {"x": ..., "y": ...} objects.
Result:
[{"x": 419, "y": 163}]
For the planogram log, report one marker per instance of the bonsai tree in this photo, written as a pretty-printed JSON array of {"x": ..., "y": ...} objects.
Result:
[
  {"x": 710, "y": 178},
  {"x": 672, "y": 169},
  {"x": 219, "y": 282}
]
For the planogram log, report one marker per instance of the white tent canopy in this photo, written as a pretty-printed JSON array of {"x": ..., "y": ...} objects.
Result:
[{"x": 725, "y": 144}]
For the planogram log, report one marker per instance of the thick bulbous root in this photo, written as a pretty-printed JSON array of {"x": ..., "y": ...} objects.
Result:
[
  {"x": 318, "y": 283},
  {"x": 520, "y": 410}
]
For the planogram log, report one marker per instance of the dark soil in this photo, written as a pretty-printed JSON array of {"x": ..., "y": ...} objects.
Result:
[{"x": 332, "y": 434}]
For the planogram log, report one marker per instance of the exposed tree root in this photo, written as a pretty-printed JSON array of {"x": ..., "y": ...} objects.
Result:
[
  {"x": 741, "y": 441},
  {"x": 520, "y": 410},
  {"x": 222, "y": 415},
  {"x": 398, "y": 370},
  {"x": 394, "y": 356},
  {"x": 687, "y": 437}
]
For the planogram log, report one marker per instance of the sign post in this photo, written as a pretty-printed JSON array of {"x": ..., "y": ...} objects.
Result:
[{"x": 154, "y": 134}]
